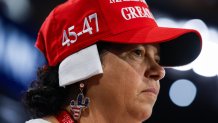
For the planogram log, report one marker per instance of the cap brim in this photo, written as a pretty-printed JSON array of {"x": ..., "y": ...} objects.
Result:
[{"x": 177, "y": 46}]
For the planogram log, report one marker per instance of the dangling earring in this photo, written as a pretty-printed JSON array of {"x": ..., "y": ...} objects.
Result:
[{"x": 80, "y": 104}]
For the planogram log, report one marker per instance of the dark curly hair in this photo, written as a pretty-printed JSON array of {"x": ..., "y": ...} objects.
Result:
[{"x": 44, "y": 96}]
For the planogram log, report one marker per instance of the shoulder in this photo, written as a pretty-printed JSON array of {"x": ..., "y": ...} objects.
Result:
[{"x": 39, "y": 120}]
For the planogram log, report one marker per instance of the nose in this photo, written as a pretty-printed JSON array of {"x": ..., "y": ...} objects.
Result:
[{"x": 155, "y": 72}]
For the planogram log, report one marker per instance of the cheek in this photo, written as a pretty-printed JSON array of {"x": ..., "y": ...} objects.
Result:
[
  {"x": 136, "y": 105},
  {"x": 119, "y": 81},
  {"x": 119, "y": 87},
  {"x": 123, "y": 79},
  {"x": 138, "y": 67},
  {"x": 127, "y": 80}
]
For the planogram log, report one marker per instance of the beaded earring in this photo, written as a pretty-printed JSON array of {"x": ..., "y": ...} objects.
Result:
[{"x": 79, "y": 105}]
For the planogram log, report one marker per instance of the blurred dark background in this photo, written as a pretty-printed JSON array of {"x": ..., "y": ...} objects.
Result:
[{"x": 20, "y": 21}]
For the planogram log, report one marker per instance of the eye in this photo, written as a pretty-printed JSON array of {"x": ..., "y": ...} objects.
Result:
[{"x": 138, "y": 52}]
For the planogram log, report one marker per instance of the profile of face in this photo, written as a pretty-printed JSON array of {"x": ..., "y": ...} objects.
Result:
[{"x": 129, "y": 85}]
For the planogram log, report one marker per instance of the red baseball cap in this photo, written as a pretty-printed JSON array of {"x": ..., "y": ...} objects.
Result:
[{"x": 77, "y": 24}]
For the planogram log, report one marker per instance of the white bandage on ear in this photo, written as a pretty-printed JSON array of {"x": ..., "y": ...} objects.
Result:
[{"x": 80, "y": 66}]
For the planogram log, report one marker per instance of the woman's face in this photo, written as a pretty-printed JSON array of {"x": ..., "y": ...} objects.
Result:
[{"x": 129, "y": 85}]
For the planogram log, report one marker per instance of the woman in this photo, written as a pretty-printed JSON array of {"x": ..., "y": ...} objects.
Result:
[{"x": 104, "y": 66}]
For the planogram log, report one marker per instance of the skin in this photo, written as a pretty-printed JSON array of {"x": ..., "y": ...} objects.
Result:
[{"x": 128, "y": 88}]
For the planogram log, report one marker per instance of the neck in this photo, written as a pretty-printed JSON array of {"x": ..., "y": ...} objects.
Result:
[{"x": 94, "y": 115}]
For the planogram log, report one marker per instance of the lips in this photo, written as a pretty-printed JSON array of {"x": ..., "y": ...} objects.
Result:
[{"x": 151, "y": 90}]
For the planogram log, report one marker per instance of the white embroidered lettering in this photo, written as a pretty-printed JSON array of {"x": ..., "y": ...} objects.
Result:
[
  {"x": 66, "y": 40},
  {"x": 129, "y": 13},
  {"x": 96, "y": 20},
  {"x": 132, "y": 12},
  {"x": 139, "y": 10},
  {"x": 124, "y": 12},
  {"x": 147, "y": 13},
  {"x": 116, "y": 1},
  {"x": 73, "y": 36},
  {"x": 86, "y": 27}
]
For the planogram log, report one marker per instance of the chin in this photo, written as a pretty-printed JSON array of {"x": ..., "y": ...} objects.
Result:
[
  {"x": 141, "y": 112},
  {"x": 145, "y": 115},
  {"x": 145, "y": 112}
]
